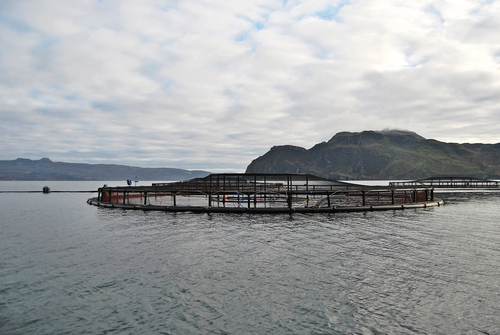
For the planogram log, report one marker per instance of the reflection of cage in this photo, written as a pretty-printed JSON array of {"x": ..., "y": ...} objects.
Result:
[{"x": 261, "y": 193}]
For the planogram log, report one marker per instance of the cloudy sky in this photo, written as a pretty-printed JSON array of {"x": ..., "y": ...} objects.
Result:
[{"x": 213, "y": 84}]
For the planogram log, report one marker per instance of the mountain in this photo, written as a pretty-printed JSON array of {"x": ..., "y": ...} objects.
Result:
[
  {"x": 45, "y": 169},
  {"x": 382, "y": 155}
]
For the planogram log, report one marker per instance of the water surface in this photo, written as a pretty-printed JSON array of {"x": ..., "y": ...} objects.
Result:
[{"x": 70, "y": 268}]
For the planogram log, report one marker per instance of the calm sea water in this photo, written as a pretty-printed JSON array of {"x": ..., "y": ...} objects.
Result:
[{"x": 70, "y": 268}]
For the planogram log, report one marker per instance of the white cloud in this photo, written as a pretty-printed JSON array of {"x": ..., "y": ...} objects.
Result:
[{"x": 214, "y": 84}]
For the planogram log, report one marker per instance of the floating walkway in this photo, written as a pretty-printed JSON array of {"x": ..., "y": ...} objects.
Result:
[
  {"x": 462, "y": 183},
  {"x": 265, "y": 193}
]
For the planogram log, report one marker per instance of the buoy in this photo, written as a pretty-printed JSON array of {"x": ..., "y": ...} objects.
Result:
[{"x": 46, "y": 189}]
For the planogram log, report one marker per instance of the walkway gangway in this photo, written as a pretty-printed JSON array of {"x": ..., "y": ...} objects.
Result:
[{"x": 465, "y": 183}]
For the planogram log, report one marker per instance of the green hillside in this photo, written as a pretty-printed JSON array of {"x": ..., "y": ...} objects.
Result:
[
  {"x": 382, "y": 155},
  {"x": 45, "y": 169}
]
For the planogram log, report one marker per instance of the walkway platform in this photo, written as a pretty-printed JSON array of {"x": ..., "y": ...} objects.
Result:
[
  {"x": 267, "y": 210},
  {"x": 451, "y": 183}
]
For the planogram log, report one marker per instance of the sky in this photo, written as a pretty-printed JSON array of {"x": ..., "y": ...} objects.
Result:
[{"x": 214, "y": 84}]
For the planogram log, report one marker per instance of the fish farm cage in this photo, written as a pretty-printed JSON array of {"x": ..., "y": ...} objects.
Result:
[{"x": 263, "y": 193}]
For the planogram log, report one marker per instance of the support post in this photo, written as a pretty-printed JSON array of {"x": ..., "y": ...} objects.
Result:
[
  {"x": 392, "y": 197},
  {"x": 364, "y": 198}
]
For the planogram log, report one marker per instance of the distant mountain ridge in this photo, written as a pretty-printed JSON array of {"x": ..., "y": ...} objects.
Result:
[
  {"x": 382, "y": 155},
  {"x": 45, "y": 169}
]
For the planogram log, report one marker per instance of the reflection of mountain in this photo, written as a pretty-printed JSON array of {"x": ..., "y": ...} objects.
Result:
[
  {"x": 382, "y": 155},
  {"x": 45, "y": 169}
]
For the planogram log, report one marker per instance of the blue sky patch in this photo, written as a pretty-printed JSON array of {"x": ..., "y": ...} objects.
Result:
[
  {"x": 103, "y": 106},
  {"x": 258, "y": 25},
  {"x": 17, "y": 25},
  {"x": 46, "y": 44},
  {"x": 38, "y": 95},
  {"x": 34, "y": 94},
  {"x": 331, "y": 12},
  {"x": 433, "y": 10},
  {"x": 71, "y": 97},
  {"x": 242, "y": 37},
  {"x": 321, "y": 52},
  {"x": 167, "y": 85},
  {"x": 50, "y": 112}
]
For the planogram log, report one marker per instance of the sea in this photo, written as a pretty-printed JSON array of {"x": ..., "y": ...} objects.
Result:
[{"x": 67, "y": 267}]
